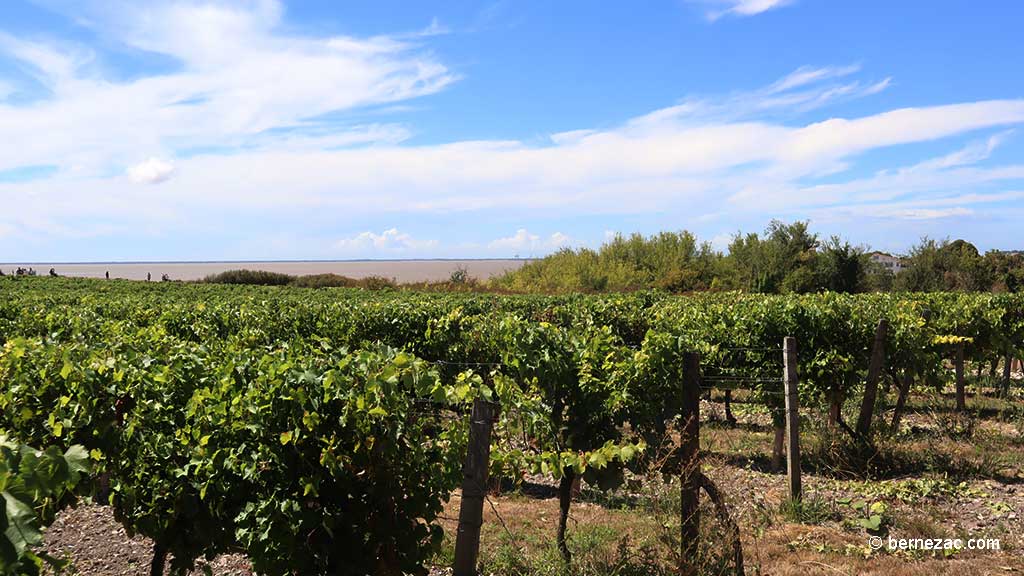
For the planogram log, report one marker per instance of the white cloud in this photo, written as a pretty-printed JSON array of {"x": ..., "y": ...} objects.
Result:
[
  {"x": 722, "y": 8},
  {"x": 971, "y": 154},
  {"x": 720, "y": 242},
  {"x": 810, "y": 75},
  {"x": 236, "y": 118},
  {"x": 525, "y": 241},
  {"x": 390, "y": 241},
  {"x": 925, "y": 181},
  {"x": 243, "y": 80},
  {"x": 152, "y": 171},
  {"x": 898, "y": 212},
  {"x": 521, "y": 240},
  {"x": 932, "y": 213},
  {"x": 434, "y": 29},
  {"x": 806, "y": 88},
  {"x": 559, "y": 240}
]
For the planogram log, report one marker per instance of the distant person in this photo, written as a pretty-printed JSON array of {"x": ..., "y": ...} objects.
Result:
[
  {"x": 53, "y": 273},
  {"x": 165, "y": 278},
  {"x": 149, "y": 276},
  {"x": 107, "y": 274}
]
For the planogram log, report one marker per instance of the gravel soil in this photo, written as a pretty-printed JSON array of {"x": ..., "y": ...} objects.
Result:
[{"x": 97, "y": 545}]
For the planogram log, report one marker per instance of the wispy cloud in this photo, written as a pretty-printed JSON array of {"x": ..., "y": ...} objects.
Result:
[
  {"x": 806, "y": 88},
  {"x": 720, "y": 8},
  {"x": 242, "y": 78},
  {"x": 241, "y": 124},
  {"x": 679, "y": 156}
]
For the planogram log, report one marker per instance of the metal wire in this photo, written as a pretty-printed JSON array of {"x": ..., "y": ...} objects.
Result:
[
  {"x": 753, "y": 349},
  {"x": 741, "y": 379},
  {"x": 448, "y": 363}
]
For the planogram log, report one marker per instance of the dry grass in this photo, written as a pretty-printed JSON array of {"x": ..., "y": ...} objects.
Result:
[{"x": 931, "y": 482}]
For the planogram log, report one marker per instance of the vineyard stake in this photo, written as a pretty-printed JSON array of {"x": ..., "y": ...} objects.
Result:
[
  {"x": 791, "y": 380},
  {"x": 689, "y": 484},
  {"x": 901, "y": 400},
  {"x": 1006, "y": 375},
  {"x": 961, "y": 400},
  {"x": 474, "y": 487},
  {"x": 867, "y": 406}
]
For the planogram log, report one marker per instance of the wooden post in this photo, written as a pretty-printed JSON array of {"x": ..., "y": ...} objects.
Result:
[
  {"x": 1006, "y": 375},
  {"x": 474, "y": 487},
  {"x": 791, "y": 381},
  {"x": 689, "y": 536},
  {"x": 778, "y": 446},
  {"x": 867, "y": 406},
  {"x": 901, "y": 400},
  {"x": 729, "y": 418},
  {"x": 835, "y": 405},
  {"x": 961, "y": 399}
]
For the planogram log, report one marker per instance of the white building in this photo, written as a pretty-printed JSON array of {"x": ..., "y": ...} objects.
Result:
[{"x": 891, "y": 263}]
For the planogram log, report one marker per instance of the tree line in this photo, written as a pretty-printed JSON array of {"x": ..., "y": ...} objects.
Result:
[{"x": 787, "y": 258}]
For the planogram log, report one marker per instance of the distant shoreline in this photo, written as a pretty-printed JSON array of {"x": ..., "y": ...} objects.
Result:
[
  {"x": 119, "y": 262},
  {"x": 401, "y": 270}
]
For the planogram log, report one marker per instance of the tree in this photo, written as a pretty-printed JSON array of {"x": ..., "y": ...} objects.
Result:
[
  {"x": 842, "y": 267},
  {"x": 1006, "y": 270},
  {"x": 783, "y": 260},
  {"x": 944, "y": 265}
]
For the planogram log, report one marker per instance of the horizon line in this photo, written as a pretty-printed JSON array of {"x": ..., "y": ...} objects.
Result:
[{"x": 286, "y": 261}]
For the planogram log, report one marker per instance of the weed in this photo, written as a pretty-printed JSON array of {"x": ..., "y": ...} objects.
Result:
[{"x": 809, "y": 510}]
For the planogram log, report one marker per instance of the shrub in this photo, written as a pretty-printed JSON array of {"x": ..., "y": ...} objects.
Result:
[
  {"x": 324, "y": 281},
  {"x": 259, "y": 277},
  {"x": 460, "y": 276}
]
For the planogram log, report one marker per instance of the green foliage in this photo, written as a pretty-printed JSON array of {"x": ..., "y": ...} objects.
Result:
[
  {"x": 264, "y": 278},
  {"x": 808, "y": 510},
  {"x": 338, "y": 281},
  {"x": 350, "y": 476},
  {"x": 33, "y": 485},
  {"x": 255, "y": 277},
  {"x": 460, "y": 276},
  {"x": 787, "y": 258},
  {"x": 673, "y": 261},
  {"x": 944, "y": 265},
  {"x": 321, "y": 431},
  {"x": 873, "y": 517}
]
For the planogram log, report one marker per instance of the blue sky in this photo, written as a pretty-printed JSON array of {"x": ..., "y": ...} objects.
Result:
[{"x": 272, "y": 129}]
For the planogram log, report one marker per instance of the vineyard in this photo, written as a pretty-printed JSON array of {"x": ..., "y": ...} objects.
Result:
[{"x": 325, "y": 431}]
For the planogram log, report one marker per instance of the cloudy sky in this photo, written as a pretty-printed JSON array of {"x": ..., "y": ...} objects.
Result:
[{"x": 272, "y": 129}]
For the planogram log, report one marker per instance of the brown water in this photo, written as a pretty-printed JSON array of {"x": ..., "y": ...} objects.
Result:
[{"x": 400, "y": 270}]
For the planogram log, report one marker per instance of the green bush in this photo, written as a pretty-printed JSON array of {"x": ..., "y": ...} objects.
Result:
[
  {"x": 339, "y": 281},
  {"x": 256, "y": 277}
]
